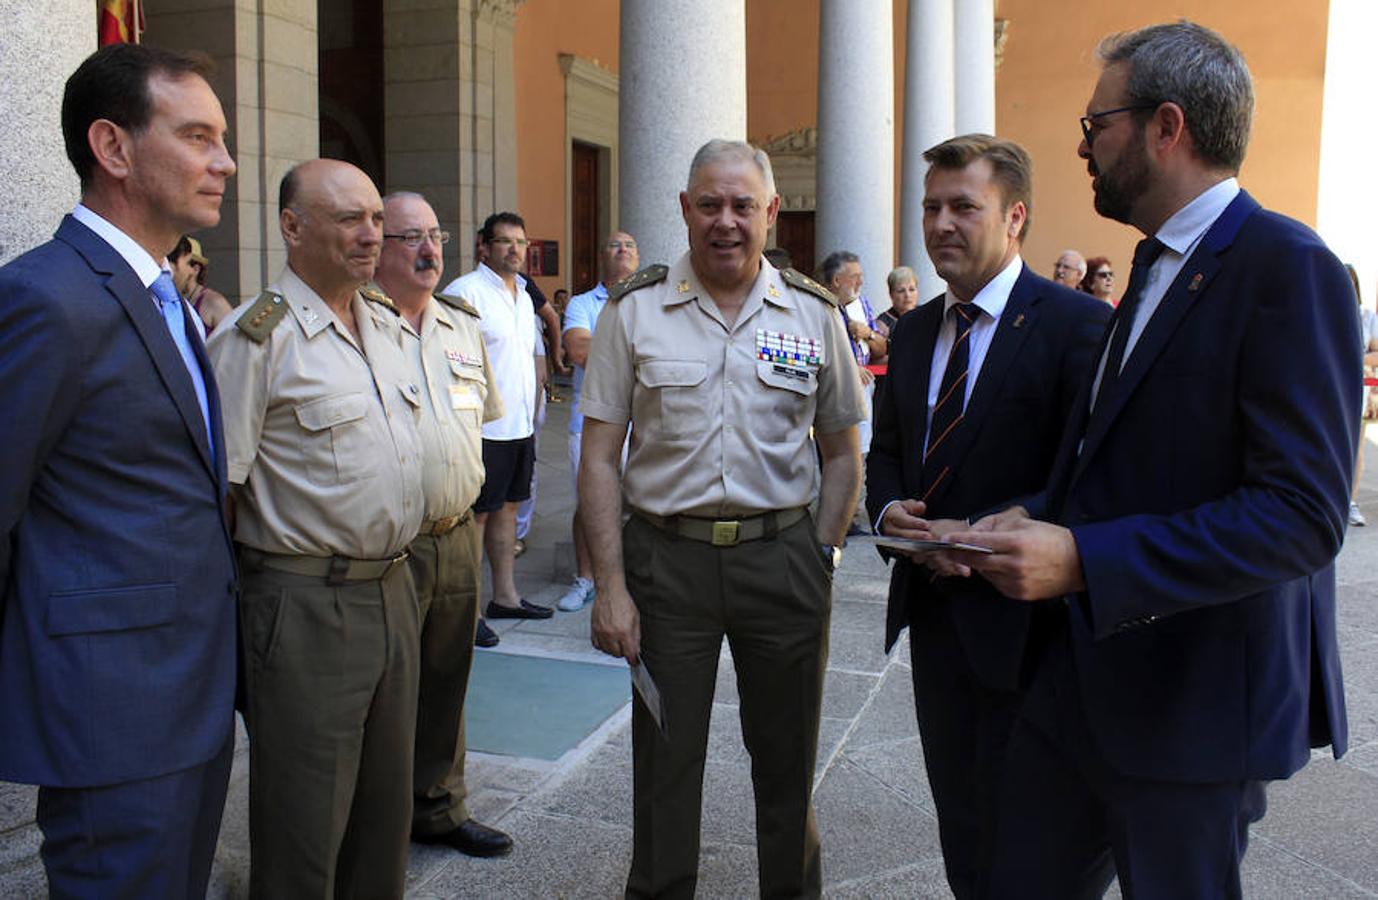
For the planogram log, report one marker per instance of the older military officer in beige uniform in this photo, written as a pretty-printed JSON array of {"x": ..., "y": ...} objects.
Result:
[
  {"x": 441, "y": 337},
  {"x": 325, "y": 464},
  {"x": 722, "y": 364}
]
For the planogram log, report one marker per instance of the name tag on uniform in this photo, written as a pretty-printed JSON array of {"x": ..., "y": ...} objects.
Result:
[
  {"x": 789, "y": 354},
  {"x": 464, "y": 359},
  {"x": 465, "y": 396}
]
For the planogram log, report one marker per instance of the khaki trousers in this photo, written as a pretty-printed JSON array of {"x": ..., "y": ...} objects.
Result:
[
  {"x": 772, "y": 599},
  {"x": 446, "y": 571},
  {"x": 331, "y": 674}
]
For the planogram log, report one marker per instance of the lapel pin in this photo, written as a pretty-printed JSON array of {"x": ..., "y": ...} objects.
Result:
[
  {"x": 1195, "y": 282},
  {"x": 1019, "y": 321},
  {"x": 682, "y": 287}
]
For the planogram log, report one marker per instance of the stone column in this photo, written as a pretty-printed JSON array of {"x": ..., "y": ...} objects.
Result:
[
  {"x": 856, "y": 137},
  {"x": 974, "y": 33},
  {"x": 684, "y": 62},
  {"x": 928, "y": 120},
  {"x": 40, "y": 46}
]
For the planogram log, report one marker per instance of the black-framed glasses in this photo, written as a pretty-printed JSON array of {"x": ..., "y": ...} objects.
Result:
[
  {"x": 1105, "y": 273},
  {"x": 1089, "y": 120},
  {"x": 413, "y": 237},
  {"x": 519, "y": 243}
]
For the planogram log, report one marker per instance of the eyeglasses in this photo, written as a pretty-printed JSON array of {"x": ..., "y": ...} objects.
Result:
[
  {"x": 413, "y": 237},
  {"x": 621, "y": 245},
  {"x": 519, "y": 243},
  {"x": 1107, "y": 275},
  {"x": 1088, "y": 121}
]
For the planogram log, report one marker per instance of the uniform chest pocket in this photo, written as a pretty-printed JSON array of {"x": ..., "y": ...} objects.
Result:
[
  {"x": 674, "y": 405},
  {"x": 785, "y": 408},
  {"x": 337, "y": 446}
]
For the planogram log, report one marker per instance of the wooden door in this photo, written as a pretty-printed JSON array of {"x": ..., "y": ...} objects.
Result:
[
  {"x": 583, "y": 258},
  {"x": 794, "y": 232}
]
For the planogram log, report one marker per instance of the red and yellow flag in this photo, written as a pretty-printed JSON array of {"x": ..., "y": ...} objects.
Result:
[{"x": 120, "y": 22}]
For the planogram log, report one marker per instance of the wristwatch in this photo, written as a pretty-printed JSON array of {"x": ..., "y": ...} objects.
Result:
[{"x": 832, "y": 556}]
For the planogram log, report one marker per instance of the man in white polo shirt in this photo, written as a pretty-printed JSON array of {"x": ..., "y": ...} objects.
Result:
[
  {"x": 620, "y": 260},
  {"x": 509, "y": 451}
]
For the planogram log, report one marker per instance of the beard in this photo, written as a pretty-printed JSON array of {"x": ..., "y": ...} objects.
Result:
[{"x": 1117, "y": 190}]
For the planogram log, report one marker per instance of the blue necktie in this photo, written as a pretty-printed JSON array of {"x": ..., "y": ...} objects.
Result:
[{"x": 171, "y": 306}]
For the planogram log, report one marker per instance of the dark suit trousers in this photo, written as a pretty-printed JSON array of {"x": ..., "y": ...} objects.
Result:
[
  {"x": 965, "y": 726},
  {"x": 149, "y": 838},
  {"x": 772, "y": 599},
  {"x": 446, "y": 570},
  {"x": 1068, "y": 823}
]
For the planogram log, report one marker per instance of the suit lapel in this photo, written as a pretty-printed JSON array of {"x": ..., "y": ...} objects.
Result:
[
  {"x": 917, "y": 369},
  {"x": 1016, "y": 323},
  {"x": 139, "y": 306},
  {"x": 1186, "y": 290}
]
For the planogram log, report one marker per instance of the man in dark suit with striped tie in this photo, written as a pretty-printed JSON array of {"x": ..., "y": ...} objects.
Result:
[{"x": 981, "y": 380}]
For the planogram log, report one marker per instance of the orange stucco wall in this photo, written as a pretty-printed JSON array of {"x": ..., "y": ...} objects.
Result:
[
  {"x": 544, "y": 30},
  {"x": 1042, "y": 87}
]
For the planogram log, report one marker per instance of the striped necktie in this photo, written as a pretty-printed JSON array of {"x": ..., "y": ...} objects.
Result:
[{"x": 948, "y": 411}]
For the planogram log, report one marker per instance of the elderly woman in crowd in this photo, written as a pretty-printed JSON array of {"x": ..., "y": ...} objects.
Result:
[{"x": 1100, "y": 280}]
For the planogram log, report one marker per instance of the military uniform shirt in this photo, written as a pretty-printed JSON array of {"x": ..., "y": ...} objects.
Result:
[
  {"x": 458, "y": 396},
  {"x": 721, "y": 417},
  {"x": 321, "y": 437}
]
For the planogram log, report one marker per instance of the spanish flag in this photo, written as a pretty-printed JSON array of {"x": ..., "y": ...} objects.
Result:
[{"x": 121, "y": 21}]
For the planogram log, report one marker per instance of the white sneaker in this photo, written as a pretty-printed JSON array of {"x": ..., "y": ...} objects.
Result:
[
  {"x": 1356, "y": 515},
  {"x": 579, "y": 593}
]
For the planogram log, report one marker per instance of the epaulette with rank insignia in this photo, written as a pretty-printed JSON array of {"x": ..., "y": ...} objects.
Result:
[
  {"x": 259, "y": 320},
  {"x": 795, "y": 278},
  {"x": 638, "y": 280},
  {"x": 369, "y": 292},
  {"x": 458, "y": 303}
]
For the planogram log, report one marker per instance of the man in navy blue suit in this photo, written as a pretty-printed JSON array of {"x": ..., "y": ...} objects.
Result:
[
  {"x": 117, "y": 644},
  {"x": 1187, "y": 537},
  {"x": 981, "y": 380}
]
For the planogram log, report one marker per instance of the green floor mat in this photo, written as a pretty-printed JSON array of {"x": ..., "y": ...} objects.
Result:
[{"x": 537, "y": 707}]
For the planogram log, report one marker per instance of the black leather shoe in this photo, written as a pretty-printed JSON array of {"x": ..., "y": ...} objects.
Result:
[
  {"x": 472, "y": 839},
  {"x": 485, "y": 636},
  {"x": 524, "y": 611}
]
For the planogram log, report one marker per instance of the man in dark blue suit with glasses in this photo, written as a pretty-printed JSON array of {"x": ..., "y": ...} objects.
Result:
[
  {"x": 1187, "y": 538},
  {"x": 117, "y": 629}
]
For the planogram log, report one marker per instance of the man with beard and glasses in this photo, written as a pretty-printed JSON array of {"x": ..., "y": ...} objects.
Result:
[
  {"x": 1186, "y": 542},
  {"x": 441, "y": 337},
  {"x": 497, "y": 290},
  {"x": 325, "y": 467}
]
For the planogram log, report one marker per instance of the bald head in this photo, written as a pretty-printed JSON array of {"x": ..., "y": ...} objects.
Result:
[
  {"x": 1069, "y": 269},
  {"x": 620, "y": 257},
  {"x": 332, "y": 224}
]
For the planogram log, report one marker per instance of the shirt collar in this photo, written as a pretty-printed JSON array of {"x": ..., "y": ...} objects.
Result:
[
  {"x": 496, "y": 280},
  {"x": 1185, "y": 227},
  {"x": 991, "y": 298},
  {"x": 311, "y": 311},
  {"x": 145, "y": 266},
  {"x": 600, "y": 291}
]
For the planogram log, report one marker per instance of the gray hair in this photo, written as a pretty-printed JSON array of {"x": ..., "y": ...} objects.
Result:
[
  {"x": 899, "y": 275},
  {"x": 1081, "y": 260},
  {"x": 740, "y": 151},
  {"x": 834, "y": 261},
  {"x": 1195, "y": 68}
]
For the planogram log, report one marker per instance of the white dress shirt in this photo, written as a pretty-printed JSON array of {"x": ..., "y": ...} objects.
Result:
[{"x": 509, "y": 333}]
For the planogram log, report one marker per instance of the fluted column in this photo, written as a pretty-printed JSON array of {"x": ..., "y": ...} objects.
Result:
[
  {"x": 684, "y": 65},
  {"x": 40, "y": 45},
  {"x": 974, "y": 39},
  {"x": 856, "y": 136},
  {"x": 928, "y": 120}
]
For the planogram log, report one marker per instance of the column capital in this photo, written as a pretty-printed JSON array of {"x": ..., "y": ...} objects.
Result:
[{"x": 499, "y": 12}]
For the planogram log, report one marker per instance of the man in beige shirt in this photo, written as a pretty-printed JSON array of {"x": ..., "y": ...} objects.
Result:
[
  {"x": 325, "y": 465},
  {"x": 441, "y": 338},
  {"x": 723, "y": 365}
]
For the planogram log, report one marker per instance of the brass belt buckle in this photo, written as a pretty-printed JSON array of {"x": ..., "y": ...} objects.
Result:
[{"x": 725, "y": 533}]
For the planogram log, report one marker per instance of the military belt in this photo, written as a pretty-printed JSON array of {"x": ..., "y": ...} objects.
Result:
[
  {"x": 727, "y": 532},
  {"x": 335, "y": 570},
  {"x": 442, "y": 527}
]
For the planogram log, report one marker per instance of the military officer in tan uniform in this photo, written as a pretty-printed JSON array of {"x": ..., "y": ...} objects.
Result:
[
  {"x": 722, "y": 364},
  {"x": 325, "y": 465},
  {"x": 441, "y": 337}
]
